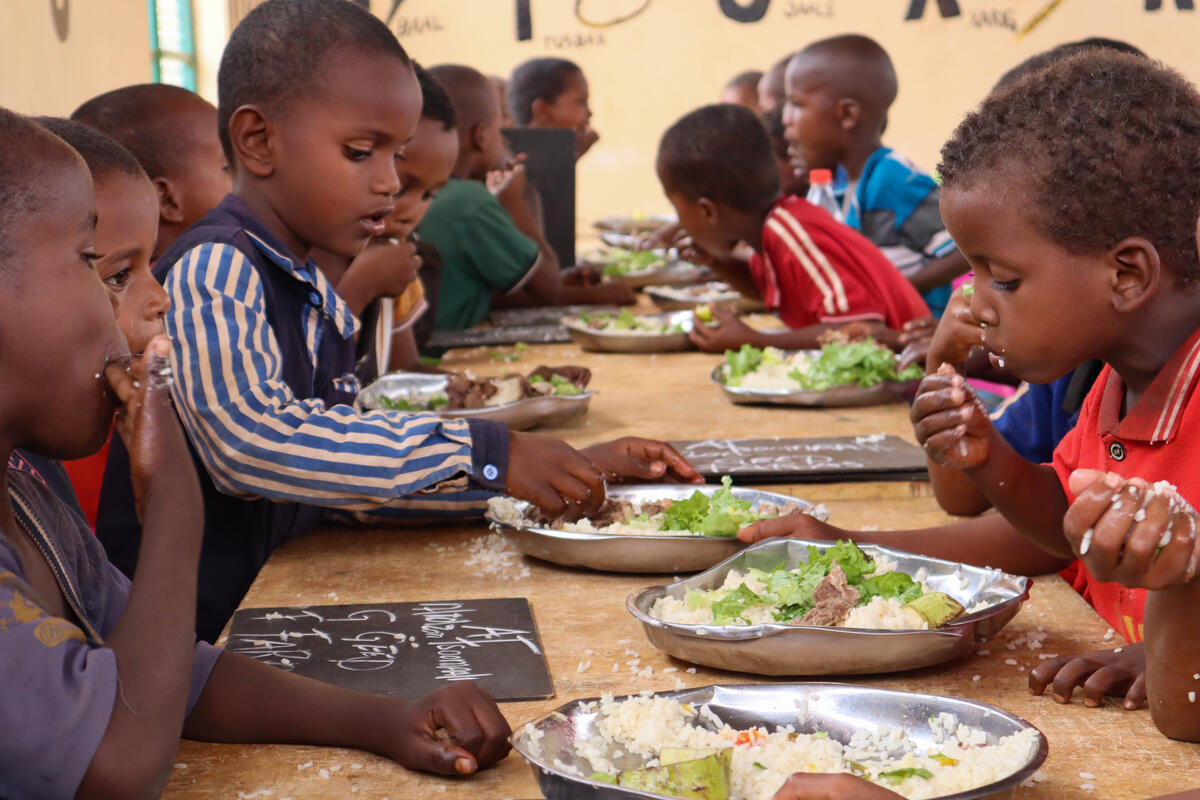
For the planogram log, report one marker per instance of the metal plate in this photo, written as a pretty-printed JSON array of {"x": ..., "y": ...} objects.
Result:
[
  {"x": 673, "y": 298},
  {"x": 678, "y": 273},
  {"x": 838, "y": 397},
  {"x": 498, "y": 337},
  {"x": 628, "y": 224},
  {"x": 626, "y": 342},
  {"x": 544, "y": 315},
  {"x": 523, "y": 414},
  {"x": 614, "y": 552},
  {"x": 777, "y": 649},
  {"x": 839, "y": 709}
]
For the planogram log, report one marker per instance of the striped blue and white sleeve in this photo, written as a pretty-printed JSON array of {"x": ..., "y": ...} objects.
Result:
[{"x": 255, "y": 437}]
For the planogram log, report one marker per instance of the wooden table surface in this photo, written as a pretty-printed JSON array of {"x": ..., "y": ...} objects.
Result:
[{"x": 1119, "y": 753}]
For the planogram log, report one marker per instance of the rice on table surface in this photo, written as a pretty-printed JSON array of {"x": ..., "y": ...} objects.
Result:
[{"x": 763, "y": 760}]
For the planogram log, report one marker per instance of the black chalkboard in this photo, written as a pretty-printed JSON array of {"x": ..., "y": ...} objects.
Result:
[
  {"x": 841, "y": 458},
  {"x": 402, "y": 650},
  {"x": 550, "y": 167},
  {"x": 495, "y": 337},
  {"x": 544, "y": 315}
]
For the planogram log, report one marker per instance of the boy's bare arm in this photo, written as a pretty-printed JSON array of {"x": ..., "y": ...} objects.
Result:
[
  {"x": 154, "y": 639},
  {"x": 729, "y": 333},
  {"x": 989, "y": 541},
  {"x": 247, "y": 701},
  {"x": 953, "y": 427}
]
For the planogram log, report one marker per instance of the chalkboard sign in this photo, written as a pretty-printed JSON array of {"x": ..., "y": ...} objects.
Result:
[
  {"x": 402, "y": 650},
  {"x": 550, "y": 169},
  {"x": 495, "y": 337},
  {"x": 544, "y": 315},
  {"x": 843, "y": 458}
]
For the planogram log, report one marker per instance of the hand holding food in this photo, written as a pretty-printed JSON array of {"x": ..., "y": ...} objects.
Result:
[
  {"x": 632, "y": 458},
  {"x": 1130, "y": 531},
  {"x": 950, "y": 422},
  {"x": 844, "y": 786},
  {"x": 455, "y": 730},
  {"x": 553, "y": 476},
  {"x": 1112, "y": 673},
  {"x": 724, "y": 331},
  {"x": 957, "y": 334}
]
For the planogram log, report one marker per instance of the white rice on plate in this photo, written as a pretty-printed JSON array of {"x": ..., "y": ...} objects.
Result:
[{"x": 763, "y": 760}]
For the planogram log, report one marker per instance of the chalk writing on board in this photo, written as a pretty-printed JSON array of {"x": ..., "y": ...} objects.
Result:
[
  {"x": 405, "y": 649},
  {"x": 849, "y": 457}
]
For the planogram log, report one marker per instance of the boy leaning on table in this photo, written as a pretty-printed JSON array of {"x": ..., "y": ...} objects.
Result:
[
  {"x": 1080, "y": 251},
  {"x": 316, "y": 100}
]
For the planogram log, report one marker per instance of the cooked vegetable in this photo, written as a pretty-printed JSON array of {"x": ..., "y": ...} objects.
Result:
[
  {"x": 703, "y": 778},
  {"x": 897, "y": 776},
  {"x": 936, "y": 608}
]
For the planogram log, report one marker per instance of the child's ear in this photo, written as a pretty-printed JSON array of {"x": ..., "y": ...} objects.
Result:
[
  {"x": 168, "y": 201},
  {"x": 849, "y": 113},
  {"x": 538, "y": 111},
  {"x": 478, "y": 137},
  {"x": 250, "y": 133},
  {"x": 710, "y": 210},
  {"x": 1136, "y": 271}
]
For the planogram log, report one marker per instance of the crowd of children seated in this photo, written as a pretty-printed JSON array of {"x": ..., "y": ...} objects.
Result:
[{"x": 187, "y": 324}]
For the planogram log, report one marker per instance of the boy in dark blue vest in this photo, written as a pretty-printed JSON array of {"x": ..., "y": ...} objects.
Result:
[{"x": 316, "y": 101}]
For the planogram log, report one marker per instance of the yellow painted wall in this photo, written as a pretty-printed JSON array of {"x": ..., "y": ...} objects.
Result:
[
  {"x": 54, "y": 54},
  {"x": 676, "y": 54}
]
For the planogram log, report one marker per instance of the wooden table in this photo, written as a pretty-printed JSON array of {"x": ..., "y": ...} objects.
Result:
[{"x": 670, "y": 397}]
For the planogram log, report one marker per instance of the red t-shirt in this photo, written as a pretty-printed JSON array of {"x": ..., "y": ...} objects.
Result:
[
  {"x": 87, "y": 475},
  {"x": 1153, "y": 441},
  {"x": 814, "y": 269}
]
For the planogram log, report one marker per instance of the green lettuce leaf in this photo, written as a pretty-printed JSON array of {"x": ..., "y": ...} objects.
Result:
[
  {"x": 888, "y": 585},
  {"x": 730, "y": 607},
  {"x": 742, "y": 362},
  {"x": 865, "y": 363}
]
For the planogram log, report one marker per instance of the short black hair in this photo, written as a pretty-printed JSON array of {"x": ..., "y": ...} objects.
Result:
[
  {"x": 1109, "y": 145},
  {"x": 772, "y": 82},
  {"x": 746, "y": 80},
  {"x": 29, "y": 154},
  {"x": 538, "y": 79},
  {"x": 772, "y": 122},
  {"x": 278, "y": 52},
  {"x": 103, "y": 155},
  {"x": 144, "y": 119},
  {"x": 858, "y": 67},
  {"x": 1059, "y": 52},
  {"x": 470, "y": 92},
  {"x": 720, "y": 152},
  {"x": 436, "y": 104}
]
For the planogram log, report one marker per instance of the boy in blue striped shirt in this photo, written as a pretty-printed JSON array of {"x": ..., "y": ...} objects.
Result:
[{"x": 316, "y": 100}]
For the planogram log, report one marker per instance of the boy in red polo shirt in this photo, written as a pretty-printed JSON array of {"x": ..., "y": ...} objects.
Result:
[
  {"x": 718, "y": 170},
  {"x": 1082, "y": 250}
]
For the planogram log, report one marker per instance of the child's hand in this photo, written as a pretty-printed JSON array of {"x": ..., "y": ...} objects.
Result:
[
  {"x": 796, "y": 525},
  {"x": 1112, "y": 673},
  {"x": 585, "y": 137},
  {"x": 580, "y": 275},
  {"x": 146, "y": 422},
  {"x": 637, "y": 459},
  {"x": 842, "y": 786},
  {"x": 553, "y": 476},
  {"x": 725, "y": 332},
  {"x": 509, "y": 184},
  {"x": 915, "y": 340},
  {"x": 956, "y": 334},
  {"x": 950, "y": 422},
  {"x": 456, "y": 730},
  {"x": 384, "y": 269},
  {"x": 1127, "y": 532},
  {"x": 612, "y": 293}
]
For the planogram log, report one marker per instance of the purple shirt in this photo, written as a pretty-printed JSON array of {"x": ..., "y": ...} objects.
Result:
[{"x": 59, "y": 680}]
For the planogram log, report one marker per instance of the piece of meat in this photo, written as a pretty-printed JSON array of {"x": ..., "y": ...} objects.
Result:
[
  {"x": 457, "y": 387},
  {"x": 832, "y": 600},
  {"x": 652, "y": 507},
  {"x": 610, "y": 512}
]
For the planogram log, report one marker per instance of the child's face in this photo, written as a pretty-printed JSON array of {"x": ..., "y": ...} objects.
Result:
[
  {"x": 1046, "y": 310},
  {"x": 427, "y": 164},
  {"x": 570, "y": 109},
  {"x": 59, "y": 328},
  {"x": 810, "y": 114},
  {"x": 126, "y": 229},
  {"x": 703, "y": 222},
  {"x": 791, "y": 180},
  {"x": 333, "y": 155}
]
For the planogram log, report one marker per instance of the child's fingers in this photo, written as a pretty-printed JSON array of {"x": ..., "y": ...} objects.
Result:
[
  {"x": 1105, "y": 681},
  {"x": 1103, "y": 552},
  {"x": 670, "y": 459},
  {"x": 936, "y": 394},
  {"x": 1143, "y": 539},
  {"x": 1074, "y": 673},
  {"x": 1043, "y": 674},
  {"x": 1173, "y": 562},
  {"x": 796, "y": 524},
  {"x": 1135, "y": 698},
  {"x": 1092, "y": 501},
  {"x": 1081, "y": 479}
]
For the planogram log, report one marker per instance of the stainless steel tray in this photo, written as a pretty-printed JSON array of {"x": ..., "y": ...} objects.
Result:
[
  {"x": 845, "y": 396},
  {"x": 676, "y": 273},
  {"x": 629, "y": 224},
  {"x": 673, "y": 298},
  {"x": 523, "y": 414},
  {"x": 839, "y": 709},
  {"x": 777, "y": 649},
  {"x": 626, "y": 342},
  {"x": 612, "y": 552}
]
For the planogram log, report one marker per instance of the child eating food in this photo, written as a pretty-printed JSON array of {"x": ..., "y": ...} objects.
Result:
[
  {"x": 102, "y": 675},
  {"x": 718, "y": 170}
]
